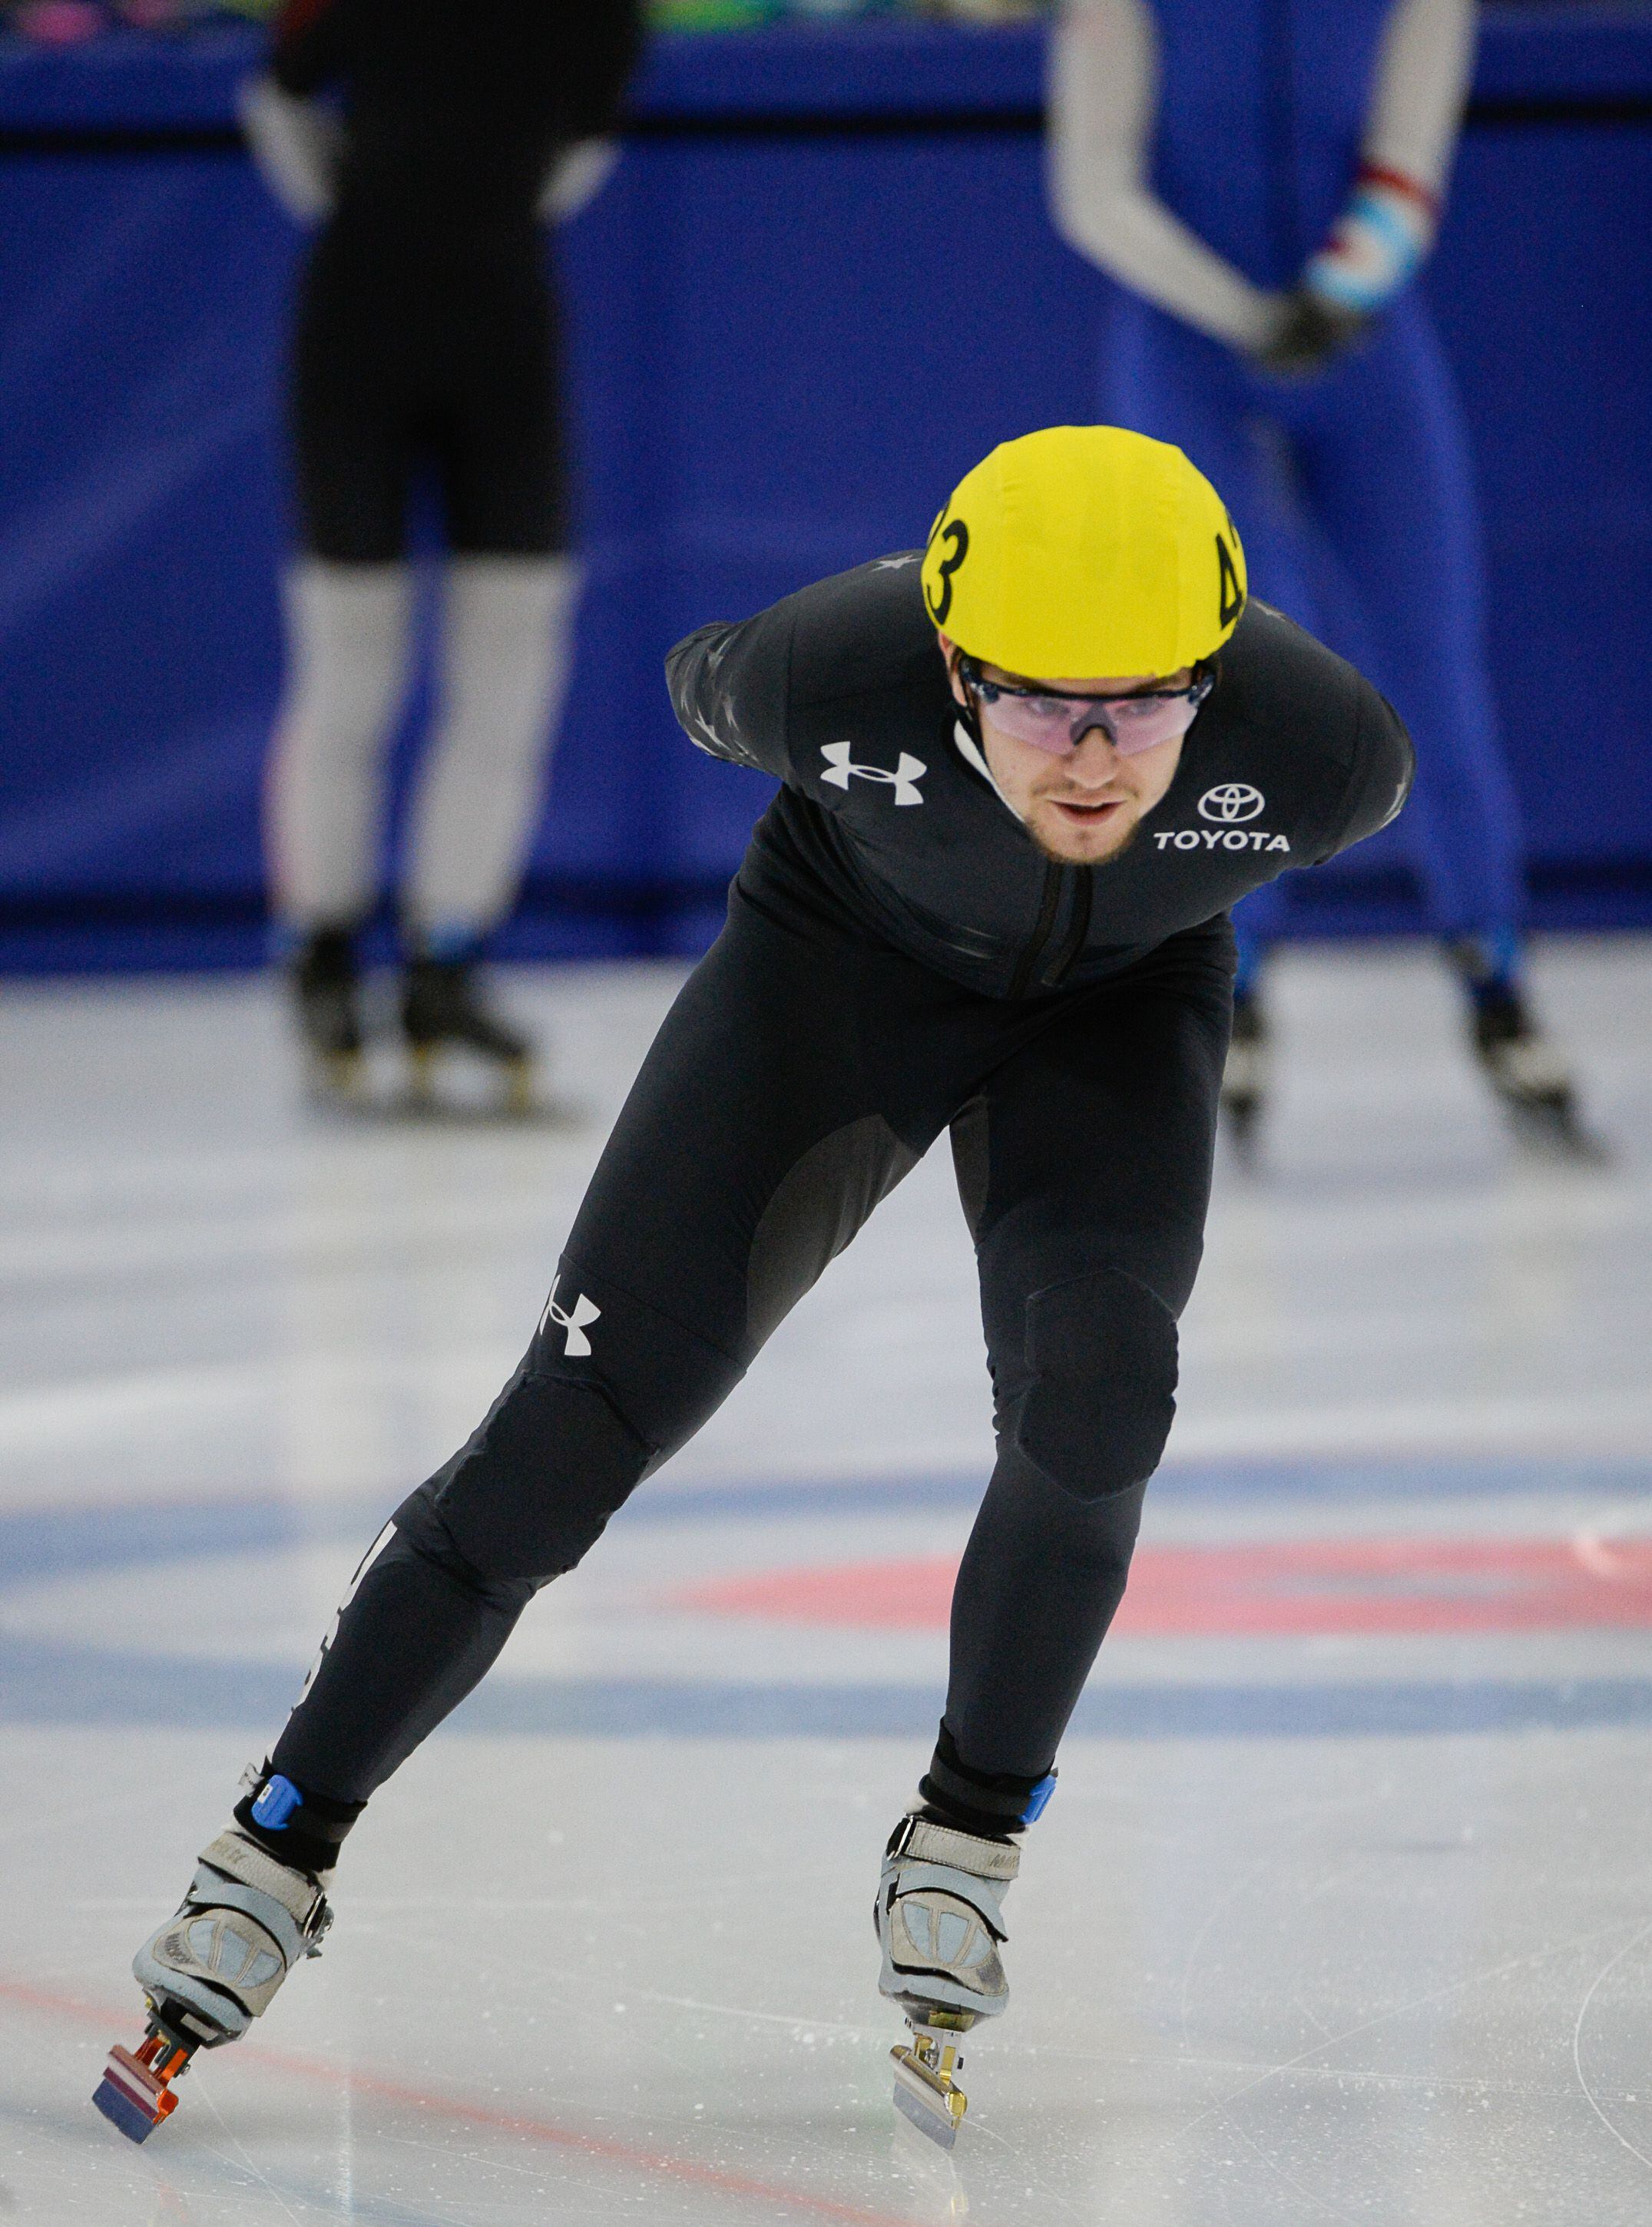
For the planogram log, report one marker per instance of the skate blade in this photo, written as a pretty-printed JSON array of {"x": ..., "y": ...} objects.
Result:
[
  {"x": 133, "y": 2095},
  {"x": 1240, "y": 1124},
  {"x": 519, "y": 1096},
  {"x": 441, "y": 1087},
  {"x": 1553, "y": 1132},
  {"x": 421, "y": 1080},
  {"x": 935, "y": 2124},
  {"x": 926, "y": 2093},
  {"x": 936, "y": 2194},
  {"x": 335, "y": 1078}
]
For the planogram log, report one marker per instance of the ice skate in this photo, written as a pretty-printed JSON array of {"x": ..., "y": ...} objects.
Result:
[
  {"x": 443, "y": 1011},
  {"x": 1532, "y": 1080},
  {"x": 327, "y": 991},
  {"x": 940, "y": 1920},
  {"x": 210, "y": 1970},
  {"x": 1245, "y": 1076}
]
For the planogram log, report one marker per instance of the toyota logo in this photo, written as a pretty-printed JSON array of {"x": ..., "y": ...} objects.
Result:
[{"x": 1230, "y": 801}]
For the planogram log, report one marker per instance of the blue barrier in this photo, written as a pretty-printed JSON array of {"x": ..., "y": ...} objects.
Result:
[{"x": 775, "y": 371}]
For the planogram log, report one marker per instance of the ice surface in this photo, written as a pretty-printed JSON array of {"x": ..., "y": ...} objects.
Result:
[{"x": 1330, "y": 1920}]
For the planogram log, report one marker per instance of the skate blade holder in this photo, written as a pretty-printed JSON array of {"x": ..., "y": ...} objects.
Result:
[
  {"x": 515, "y": 1097},
  {"x": 135, "y": 2092},
  {"x": 926, "y": 2076},
  {"x": 338, "y": 1075}
]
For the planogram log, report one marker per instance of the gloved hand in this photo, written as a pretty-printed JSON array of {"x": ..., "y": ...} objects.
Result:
[
  {"x": 1311, "y": 334},
  {"x": 577, "y": 176},
  {"x": 1374, "y": 248},
  {"x": 298, "y": 146}
]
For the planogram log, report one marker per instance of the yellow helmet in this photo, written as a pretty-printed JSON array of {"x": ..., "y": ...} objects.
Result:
[{"x": 1085, "y": 550}]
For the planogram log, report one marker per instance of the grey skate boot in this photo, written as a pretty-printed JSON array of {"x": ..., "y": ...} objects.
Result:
[
  {"x": 210, "y": 1970},
  {"x": 939, "y": 1921}
]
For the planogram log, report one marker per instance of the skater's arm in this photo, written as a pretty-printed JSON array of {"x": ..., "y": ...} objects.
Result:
[
  {"x": 1103, "y": 107},
  {"x": 295, "y": 138},
  {"x": 1393, "y": 212},
  {"x": 1380, "y": 776},
  {"x": 576, "y": 176},
  {"x": 607, "y": 42},
  {"x": 729, "y": 688},
  {"x": 310, "y": 46},
  {"x": 297, "y": 145}
]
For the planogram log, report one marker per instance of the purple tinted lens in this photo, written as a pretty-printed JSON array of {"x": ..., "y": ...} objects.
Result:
[{"x": 1058, "y": 724}]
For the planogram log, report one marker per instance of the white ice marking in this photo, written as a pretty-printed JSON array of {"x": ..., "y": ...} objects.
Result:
[
  {"x": 759, "y": 2018},
  {"x": 1302, "y": 2061},
  {"x": 1611, "y": 1965}
]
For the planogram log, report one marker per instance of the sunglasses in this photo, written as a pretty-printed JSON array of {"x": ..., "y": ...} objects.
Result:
[{"x": 1051, "y": 721}]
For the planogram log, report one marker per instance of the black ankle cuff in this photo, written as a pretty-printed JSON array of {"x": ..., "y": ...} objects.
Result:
[
  {"x": 996, "y": 1804},
  {"x": 303, "y": 1830}
]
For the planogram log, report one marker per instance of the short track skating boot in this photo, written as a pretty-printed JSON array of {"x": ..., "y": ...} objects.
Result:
[
  {"x": 940, "y": 1920},
  {"x": 327, "y": 987},
  {"x": 1530, "y": 1075},
  {"x": 443, "y": 1009},
  {"x": 211, "y": 1970},
  {"x": 1245, "y": 1076}
]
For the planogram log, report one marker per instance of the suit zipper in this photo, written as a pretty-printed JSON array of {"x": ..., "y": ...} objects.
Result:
[
  {"x": 1048, "y": 910},
  {"x": 1074, "y": 942}
]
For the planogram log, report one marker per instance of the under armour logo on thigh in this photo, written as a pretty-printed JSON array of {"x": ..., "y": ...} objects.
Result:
[
  {"x": 909, "y": 771},
  {"x": 573, "y": 1321}
]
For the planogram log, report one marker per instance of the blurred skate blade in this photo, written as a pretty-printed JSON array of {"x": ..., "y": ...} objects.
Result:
[
  {"x": 452, "y": 1091},
  {"x": 1558, "y": 1134},
  {"x": 930, "y": 2174}
]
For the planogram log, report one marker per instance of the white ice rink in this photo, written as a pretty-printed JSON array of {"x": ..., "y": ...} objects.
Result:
[{"x": 1343, "y": 1910}]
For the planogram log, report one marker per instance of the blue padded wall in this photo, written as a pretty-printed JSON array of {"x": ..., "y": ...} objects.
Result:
[{"x": 821, "y": 285}]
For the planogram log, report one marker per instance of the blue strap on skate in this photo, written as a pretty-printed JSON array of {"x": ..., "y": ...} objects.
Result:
[
  {"x": 275, "y": 1806},
  {"x": 1038, "y": 1800}
]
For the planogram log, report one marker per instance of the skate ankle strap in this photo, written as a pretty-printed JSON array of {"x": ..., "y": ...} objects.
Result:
[
  {"x": 298, "y": 1895},
  {"x": 984, "y": 1897},
  {"x": 918, "y": 1839}
]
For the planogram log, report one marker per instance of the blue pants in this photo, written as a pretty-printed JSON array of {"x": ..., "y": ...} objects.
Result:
[{"x": 1352, "y": 495}]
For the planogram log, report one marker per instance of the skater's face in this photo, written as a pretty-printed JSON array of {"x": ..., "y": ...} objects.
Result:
[{"x": 1085, "y": 805}]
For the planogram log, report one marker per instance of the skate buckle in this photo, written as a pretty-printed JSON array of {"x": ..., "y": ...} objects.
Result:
[
  {"x": 135, "y": 2093},
  {"x": 926, "y": 2085}
]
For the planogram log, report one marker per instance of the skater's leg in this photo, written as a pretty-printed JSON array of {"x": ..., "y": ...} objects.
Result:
[
  {"x": 349, "y": 605},
  {"x": 350, "y": 598},
  {"x": 506, "y": 636},
  {"x": 1390, "y": 478},
  {"x": 1084, "y": 1164},
  {"x": 511, "y": 589},
  {"x": 751, "y": 1149},
  {"x": 507, "y": 631},
  {"x": 1240, "y": 429},
  {"x": 1088, "y": 1253},
  {"x": 1387, "y": 474},
  {"x": 510, "y": 594},
  {"x": 348, "y": 634}
]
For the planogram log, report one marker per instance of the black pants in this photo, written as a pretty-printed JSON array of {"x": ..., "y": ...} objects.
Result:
[
  {"x": 421, "y": 349},
  {"x": 795, "y": 1080}
]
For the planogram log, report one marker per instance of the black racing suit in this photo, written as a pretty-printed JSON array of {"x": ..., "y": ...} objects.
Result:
[
  {"x": 899, "y": 959},
  {"x": 425, "y": 329}
]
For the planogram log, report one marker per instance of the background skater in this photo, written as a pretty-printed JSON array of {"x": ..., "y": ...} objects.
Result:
[
  {"x": 430, "y": 137},
  {"x": 981, "y": 902},
  {"x": 1267, "y": 183}
]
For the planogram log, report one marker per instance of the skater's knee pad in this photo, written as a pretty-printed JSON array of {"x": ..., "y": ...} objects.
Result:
[
  {"x": 1101, "y": 1353},
  {"x": 535, "y": 1486}
]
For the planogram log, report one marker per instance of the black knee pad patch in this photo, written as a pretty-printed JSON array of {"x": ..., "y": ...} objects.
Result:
[
  {"x": 1101, "y": 1351},
  {"x": 535, "y": 1486}
]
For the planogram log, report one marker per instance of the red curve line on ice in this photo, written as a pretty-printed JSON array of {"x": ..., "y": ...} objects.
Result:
[{"x": 478, "y": 2115}]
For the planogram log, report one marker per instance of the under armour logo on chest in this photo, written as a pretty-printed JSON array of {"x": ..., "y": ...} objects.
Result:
[
  {"x": 841, "y": 770},
  {"x": 574, "y": 1321}
]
